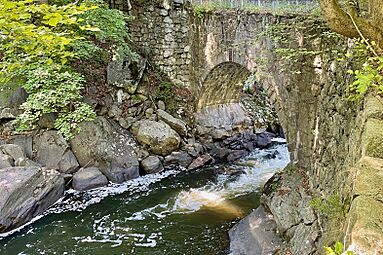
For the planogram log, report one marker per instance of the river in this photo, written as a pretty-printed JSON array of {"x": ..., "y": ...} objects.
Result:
[{"x": 173, "y": 212}]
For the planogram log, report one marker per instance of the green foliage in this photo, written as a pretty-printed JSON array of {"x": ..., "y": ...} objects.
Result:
[
  {"x": 164, "y": 91},
  {"x": 40, "y": 42},
  {"x": 369, "y": 77},
  {"x": 54, "y": 90},
  {"x": 338, "y": 249},
  {"x": 332, "y": 207}
]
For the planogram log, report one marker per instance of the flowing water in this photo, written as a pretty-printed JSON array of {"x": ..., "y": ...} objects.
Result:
[{"x": 169, "y": 213}]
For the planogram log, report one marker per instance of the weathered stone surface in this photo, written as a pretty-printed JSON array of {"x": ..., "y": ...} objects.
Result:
[
  {"x": 152, "y": 164},
  {"x": 219, "y": 134},
  {"x": 161, "y": 105},
  {"x": 263, "y": 140},
  {"x": 236, "y": 154},
  {"x": 52, "y": 151},
  {"x": 6, "y": 161},
  {"x": 369, "y": 178},
  {"x": 303, "y": 241},
  {"x": 256, "y": 234},
  {"x": 88, "y": 178},
  {"x": 126, "y": 73},
  {"x": 25, "y": 193},
  {"x": 178, "y": 158},
  {"x": 104, "y": 143},
  {"x": 176, "y": 124},
  {"x": 373, "y": 138},
  {"x": 200, "y": 162},
  {"x": 12, "y": 150},
  {"x": 25, "y": 142},
  {"x": 367, "y": 217},
  {"x": 373, "y": 107},
  {"x": 160, "y": 138},
  {"x": 226, "y": 116}
]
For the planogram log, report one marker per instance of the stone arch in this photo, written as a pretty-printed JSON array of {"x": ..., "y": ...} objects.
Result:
[{"x": 222, "y": 84}]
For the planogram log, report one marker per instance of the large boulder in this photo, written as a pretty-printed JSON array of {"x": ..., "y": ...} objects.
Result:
[
  {"x": 177, "y": 124},
  {"x": 12, "y": 150},
  {"x": 52, "y": 151},
  {"x": 178, "y": 158},
  {"x": 88, "y": 178},
  {"x": 152, "y": 164},
  {"x": 255, "y": 234},
  {"x": 102, "y": 142},
  {"x": 158, "y": 136},
  {"x": 25, "y": 192}
]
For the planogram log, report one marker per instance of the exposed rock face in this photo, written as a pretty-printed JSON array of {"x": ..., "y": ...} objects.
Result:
[
  {"x": 152, "y": 164},
  {"x": 158, "y": 136},
  {"x": 54, "y": 152},
  {"x": 25, "y": 192},
  {"x": 177, "y": 124},
  {"x": 88, "y": 178},
  {"x": 223, "y": 116},
  {"x": 178, "y": 158},
  {"x": 101, "y": 142},
  {"x": 255, "y": 234},
  {"x": 126, "y": 73}
]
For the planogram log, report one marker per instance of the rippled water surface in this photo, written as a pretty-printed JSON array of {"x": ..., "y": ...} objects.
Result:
[{"x": 168, "y": 213}]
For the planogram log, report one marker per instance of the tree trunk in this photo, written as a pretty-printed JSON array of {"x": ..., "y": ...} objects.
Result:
[{"x": 350, "y": 24}]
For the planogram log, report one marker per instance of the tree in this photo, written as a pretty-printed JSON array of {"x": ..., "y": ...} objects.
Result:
[{"x": 355, "y": 18}]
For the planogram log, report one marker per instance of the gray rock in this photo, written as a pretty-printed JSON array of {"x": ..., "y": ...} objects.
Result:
[
  {"x": 152, "y": 164},
  {"x": 105, "y": 143},
  {"x": 236, "y": 154},
  {"x": 176, "y": 124},
  {"x": 126, "y": 73},
  {"x": 194, "y": 149},
  {"x": 6, "y": 161},
  {"x": 263, "y": 140},
  {"x": 158, "y": 136},
  {"x": 47, "y": 120},
  {"x": 178, "y": 158},
  {"x": 219, "y": 134},
  {"x": 200, "y": 162},
  {"x": 52, "y": 151},
  {"x": 88, "y": 178},
  {"x": 25, "y": 193},
  {"x": 6, "y": 114},
  {"x": 255, "y": 235},
  {"x": 161, "y": 105},
  {"x": 303, "y": 241},
  {"x": 12, "y": 150},
  {"x": 25, "y": 143}
]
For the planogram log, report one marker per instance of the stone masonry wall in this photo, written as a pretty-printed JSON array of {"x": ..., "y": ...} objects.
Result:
[{"x": 161, "y": 30}]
